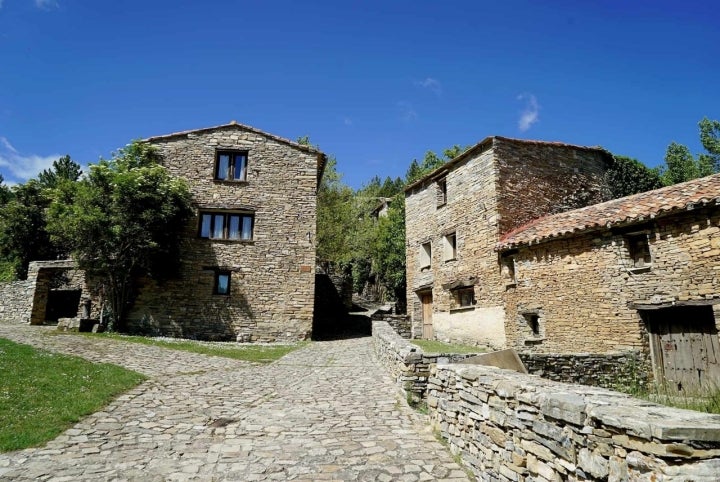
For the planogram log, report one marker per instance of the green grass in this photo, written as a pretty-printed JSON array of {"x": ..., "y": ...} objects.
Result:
[
  {"x": 42, "y": 393},
  {"x": 246, "y": 352},
  {"x": 434, "y": 346},
  {"x": 7, "y": 270}
]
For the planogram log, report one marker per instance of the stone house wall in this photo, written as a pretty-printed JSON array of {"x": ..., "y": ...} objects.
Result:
[
  {"x": 272, "y": 276},
  {"x": 508, "y": 426},
  {"x": 16, "y": 301},
  {"x": 586, "y": 295},
  {"x": 492, "y": 188}
]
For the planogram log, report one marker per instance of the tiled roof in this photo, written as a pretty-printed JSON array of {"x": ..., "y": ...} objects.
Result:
[{"x": 618, "y": 212}]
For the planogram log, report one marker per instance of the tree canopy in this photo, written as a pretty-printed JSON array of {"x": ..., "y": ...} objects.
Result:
[
  {"x": 681, "y": 165},
  {"x": 122, "y": 221}
]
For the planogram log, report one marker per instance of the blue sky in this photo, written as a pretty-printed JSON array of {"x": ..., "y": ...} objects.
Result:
[{"x": 374, "y": 83}]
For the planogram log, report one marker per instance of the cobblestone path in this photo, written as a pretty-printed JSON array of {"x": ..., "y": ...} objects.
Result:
[{"x": 326, "y": 412}]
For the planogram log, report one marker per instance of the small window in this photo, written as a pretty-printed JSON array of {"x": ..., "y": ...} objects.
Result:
[
  {"x": 222, "y": 283},
  {"x": 441, "y": 192},
  {"x": 639, "y": 251},
  {"x": 450, "y": 247},
  {"x": 232, "y": 226},
  {"x": 231, "y": 166},
  {"x": 507, "y": 270},
  {"x": 425, "y": 255},
  {"x": 533, "y": 323},
  {"x": 465, "y": 297}
]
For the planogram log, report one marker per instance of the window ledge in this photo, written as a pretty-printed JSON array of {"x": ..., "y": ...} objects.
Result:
[
  {"x": 534, "y": 341},
  {"x": 225, "y": 181},
  {"x": 441, "y": 205},
  {"x": 511, "y": 285},
  {"x": 229, "y": 241},
  {"x": 451, "y": 259},
  {"x": 461, "y": 309},
  {"x": 644, "y": 269},
  {"x": 424, "y": 269}
]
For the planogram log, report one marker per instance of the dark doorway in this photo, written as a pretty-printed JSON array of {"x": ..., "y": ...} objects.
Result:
[
  {"x": 684, "y": 347},
  {"x": 62, "y": 304}
]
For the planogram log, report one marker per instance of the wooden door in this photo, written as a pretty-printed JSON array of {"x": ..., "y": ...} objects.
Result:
[
  {"x": 685, "y": 348},
  {"x": 427, "y": 309}
]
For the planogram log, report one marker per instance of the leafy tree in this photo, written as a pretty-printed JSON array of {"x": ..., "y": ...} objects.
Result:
[
  {"x": 63, "y": 169},
  {"x": 23, "y": 233},
  {"x": 629, "y": 176},
  {"x": 335, "y": 217},
  {"x": 389, "y": 249},
  {"x": 681, "y": 166},
  {"x": 123, "y": 220},
  {"x": 5, "y": 193}
]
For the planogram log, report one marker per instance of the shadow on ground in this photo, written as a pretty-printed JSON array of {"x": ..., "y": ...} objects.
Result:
[{"x": 353, "y": 325}]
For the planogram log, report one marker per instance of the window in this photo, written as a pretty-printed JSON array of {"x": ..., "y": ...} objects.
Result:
[
  {"x": 507, "y": 270},
  {"x": 233, "y": 226},
  {"x": 533, "y": 322},
  {"x": 231, "y": 166},
  {"x": 450, "y": 247},
  {"x": 425, "y": 255},
  {"x": 465, "y": 297},
  {"x": 639, "y": 250},
  {"x": 441, "y": 192},
  {"x": 222, "y": 283}
]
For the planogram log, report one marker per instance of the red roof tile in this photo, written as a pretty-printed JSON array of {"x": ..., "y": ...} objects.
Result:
[{"x": 618, "y": 212}]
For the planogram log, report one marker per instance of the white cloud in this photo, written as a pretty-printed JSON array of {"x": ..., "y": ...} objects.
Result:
[
  {"x": 430, "y": 83},
  {"x": 407, "y": 112},
  {"x": 530, "y": 114},
  {"x": 347, "y": 121},
  {"x": 46, "y": 4},
  {"x": 1, "y": 2},
  {"x": 22, "y": 167}
]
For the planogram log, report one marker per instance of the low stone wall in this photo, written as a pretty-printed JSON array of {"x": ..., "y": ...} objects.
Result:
[
  {"x": 16, "y": 301},
  {"x": 407, "y": 363},
  {"x": 509, "y": 426},
  {"x": 598, "y": 370},
  {"x": 400, "y": 323}
]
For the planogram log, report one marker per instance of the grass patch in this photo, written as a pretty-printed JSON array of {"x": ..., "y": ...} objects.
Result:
[
  {"x": 43, "y": 393},
  {"x": 246, "y": 352},
  {"x": 434, "y": 346},
  {"x": 706, "y": 400},
  {"x": 7, "y": 270}
]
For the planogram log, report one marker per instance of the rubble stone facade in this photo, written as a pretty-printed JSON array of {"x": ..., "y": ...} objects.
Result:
[
  {"x": 456, "y": 215},
  {"x": 248, "y": 254}
]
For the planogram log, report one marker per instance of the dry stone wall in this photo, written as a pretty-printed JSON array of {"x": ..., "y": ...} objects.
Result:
[
  {"x": 272, "y": 276},
  {"x": 16, "y": 301},
  {"x": 508, "y": 426},
  {"x": 407, "y": 362}
]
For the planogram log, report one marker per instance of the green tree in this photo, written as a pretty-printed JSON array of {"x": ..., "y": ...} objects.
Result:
[
  {"x": 681, "y": 166},
  {"x": 63, "y": 169},
  {"x": 628, "y": 176},
  {"x": 23, "y": 233},
  {"x": 389, "y": 249},
  {"x": 122, "y": 221},
  {"x": 335, "y": 217}
]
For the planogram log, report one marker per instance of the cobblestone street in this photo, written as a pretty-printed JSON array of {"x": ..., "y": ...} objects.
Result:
[{"x": 326, "y": 412}]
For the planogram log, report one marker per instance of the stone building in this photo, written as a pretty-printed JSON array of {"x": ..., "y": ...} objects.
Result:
[
  {"x": 247, "y": 267},
  {"x": 248, "y": 253},
  {"x": 456, "y": 215},
  {"x": 637, "y": 273}
]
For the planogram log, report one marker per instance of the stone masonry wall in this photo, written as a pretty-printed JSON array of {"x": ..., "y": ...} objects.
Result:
[
  {"x": 407, "y": 362},
  {"x": 585, "y": 293},
  {"x": 495, "y": 188},
  {"x": 610, "y": 370},
  {"x": 471, "y": 213},
  {"x": 508, "y": 426},
  {"x": 16, "y": 301},
  {"x": 536, "y": 179},
  {"x": 399, "y": 323},
  {"x": 273, "y": 275}
]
